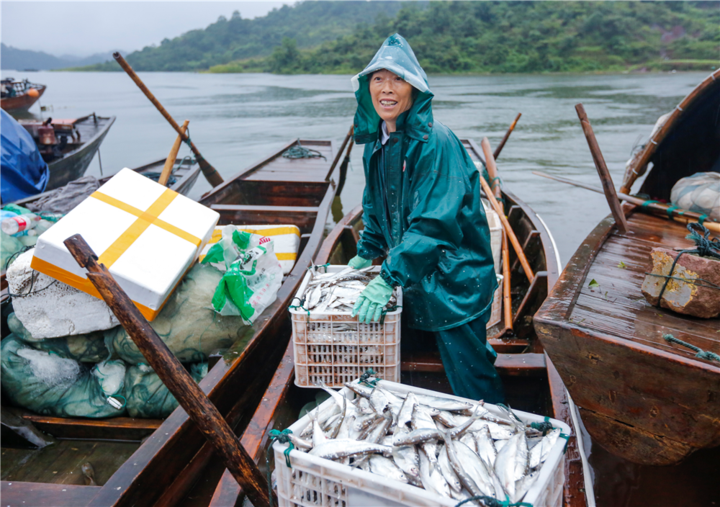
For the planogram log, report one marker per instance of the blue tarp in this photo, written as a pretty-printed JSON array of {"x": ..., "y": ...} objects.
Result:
[{"x": 23, "y": 172}]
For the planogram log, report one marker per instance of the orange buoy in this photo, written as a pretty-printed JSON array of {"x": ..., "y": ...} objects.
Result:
[{"x": 33, "y": 93}]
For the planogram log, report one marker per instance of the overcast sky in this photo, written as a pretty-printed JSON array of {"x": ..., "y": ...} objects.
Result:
[{"x": 85, "y": 28}]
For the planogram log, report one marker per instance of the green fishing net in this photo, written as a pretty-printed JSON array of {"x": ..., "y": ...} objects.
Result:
[{"x": 146, "y": 394}]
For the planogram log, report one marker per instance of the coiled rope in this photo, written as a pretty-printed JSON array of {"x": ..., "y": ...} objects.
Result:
[
  {"x": 299, "y": 151},
  {"x": 700, "y": 353}
]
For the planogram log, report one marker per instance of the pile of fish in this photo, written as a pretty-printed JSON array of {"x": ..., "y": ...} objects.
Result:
[
  {"x": 452, "y": 448},
  {"x": 338, "y": 292}
]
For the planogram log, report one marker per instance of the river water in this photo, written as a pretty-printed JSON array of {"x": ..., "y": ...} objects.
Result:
[{"x": 237, "y": 119}]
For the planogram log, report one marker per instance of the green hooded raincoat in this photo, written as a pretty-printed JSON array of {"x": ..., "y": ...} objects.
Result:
[{"x": 423, "y": 208}]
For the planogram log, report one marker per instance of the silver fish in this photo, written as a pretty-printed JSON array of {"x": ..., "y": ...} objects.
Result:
[
  {"x": 408, "y": 459},
  {"x": 359, "y": 389},
  {"x": 443, "y": 403},
  {"x": 446, "y": 419},
  {"x": 385, "y": 467},
  {"x": 511, "y": 462},
  {"x": 344, "y": 448},
  {"x": 469, "y": 440},
  {"x": 485, "y": 447},
  {"x": 406, "y": 410},
  {"x": 300, "y": 443},
  {"x": 318, "y": 436},
  {"x": 447, "y": 470},
  {"x": 431, "y": 478},
  {"x": 539, "y": 453},
  {"x": 475, "y": 468},
  {"x": 379, "y": 400},
  {"x": 462, "y": 474},
  {"x": 523, "y": 486}
]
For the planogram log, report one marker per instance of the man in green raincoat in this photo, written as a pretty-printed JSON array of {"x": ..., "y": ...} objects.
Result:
[{"x": 422, "y": 210}]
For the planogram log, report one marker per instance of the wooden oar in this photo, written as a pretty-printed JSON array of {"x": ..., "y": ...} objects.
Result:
[
  {"x": 678, "y": 214},
  {"x": 491, "y": 168},
  {"x": 172, "y": 373},
  {"x": 605, "y": 179},
  {"x": 170, "y": 162},
  {"x": 506, "y": 226},
  {"x": 507, "y": 135},
  {"x": 344, "y": 167},
  {"x": 209, "y": 171}
]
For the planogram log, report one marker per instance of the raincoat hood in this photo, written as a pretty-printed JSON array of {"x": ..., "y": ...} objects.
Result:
[{"x": 397, "y": 56}]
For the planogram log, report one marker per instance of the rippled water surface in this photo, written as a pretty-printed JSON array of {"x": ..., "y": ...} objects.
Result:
[{"x": 238, "y": 119}]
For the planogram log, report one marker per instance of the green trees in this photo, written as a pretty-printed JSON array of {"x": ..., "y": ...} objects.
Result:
[{"x": 451, "y": 37}]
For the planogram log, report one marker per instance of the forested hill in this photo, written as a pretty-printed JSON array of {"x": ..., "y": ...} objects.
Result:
[
  {"x": 452, "y": 37},
  {"x": 307, "y": 23}
]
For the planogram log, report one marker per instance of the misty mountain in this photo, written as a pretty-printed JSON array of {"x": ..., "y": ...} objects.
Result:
[{"x": 20, "y": 59}]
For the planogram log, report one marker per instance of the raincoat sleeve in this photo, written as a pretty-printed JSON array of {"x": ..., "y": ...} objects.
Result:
[
  {"x": 372, "y": 243},
  {"x": 441, "y": 185}
]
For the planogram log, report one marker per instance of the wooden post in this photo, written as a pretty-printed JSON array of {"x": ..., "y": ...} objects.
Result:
[
  {"x": 170, "y": 162},
  {"x": 508, "y": 230},
  {"x": 186, "y": 391},
  {"x": 208, "y": 171},
  {"x": 602, "y": 170},
  {"x": 507, "y": 135}
]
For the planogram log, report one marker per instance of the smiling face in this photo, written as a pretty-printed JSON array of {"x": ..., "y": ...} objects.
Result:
[{"x": 391, "y": 96}]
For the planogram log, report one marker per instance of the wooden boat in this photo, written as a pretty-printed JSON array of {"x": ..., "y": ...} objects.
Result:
[
  {"x": 185, "y": 174},
  {"x": 142, "y": 462},
  {"x": 640, "y": 397},
  {"x": 21, "y": 98},
  {"x": 73, "y": 147},
  {"x": 530, "y": 380}
]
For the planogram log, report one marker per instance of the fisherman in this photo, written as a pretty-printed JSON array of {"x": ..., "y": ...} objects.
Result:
[{"x": 422, "y": 210}]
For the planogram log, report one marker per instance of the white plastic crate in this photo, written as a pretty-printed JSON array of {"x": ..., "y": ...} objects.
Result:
[
  {"x": 316, "y": 482},
  {"x": 335, "y": 348}
]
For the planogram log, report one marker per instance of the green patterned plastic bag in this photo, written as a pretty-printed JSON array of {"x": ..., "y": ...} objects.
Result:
[{"x": 146, "y": 394}]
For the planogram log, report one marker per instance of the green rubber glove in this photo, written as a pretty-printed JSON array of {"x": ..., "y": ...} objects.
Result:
[
  {"x": 372, "y": 300},
  {"x": 358, "y": 262}
]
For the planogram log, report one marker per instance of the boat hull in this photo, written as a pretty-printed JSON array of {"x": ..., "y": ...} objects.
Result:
[
  {"x": 640, "y": 398},
  {"x": 22, "y": 102}
]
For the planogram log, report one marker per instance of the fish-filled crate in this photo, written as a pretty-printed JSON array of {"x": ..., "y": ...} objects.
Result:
[
  {"x": 332, "y": 347},
  {"x": 311, "y": 481}
]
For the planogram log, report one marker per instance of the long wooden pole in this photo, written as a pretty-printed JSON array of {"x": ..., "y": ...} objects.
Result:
[
  {"x": 339, "y": 153},
  {"x": 507, "y": 296},
  {"x": 678, "y": 214},
  {"x": 172, "y": 373},
  {"x": 491, "y": 168},
  {"x": 209, "y": 171},
  {"x": 602, "y": 170},
  {"x": 344, "y": 167},
  {"x": 507, "y": 135},
  {"x": 508, "y": 230},
  {"x": 170, "y": 161}
]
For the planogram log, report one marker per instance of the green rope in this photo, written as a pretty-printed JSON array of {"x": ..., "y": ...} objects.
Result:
[
  {"x": 365, "y": 376},
  {"x": 385, "y": 311},
  {"x": 298, "y": 151},
  {"x": 544, "y": 427},
  {"x": 567, "y": 439},
  {"x": 648, "y": 203},
  {"x": 700, "y": 353},
  {"x": 701, "y": 218},
  {"x": 670, "y": 209},
  {"x": 489, "y": 501},
  {"x": 284, "y": 438}
]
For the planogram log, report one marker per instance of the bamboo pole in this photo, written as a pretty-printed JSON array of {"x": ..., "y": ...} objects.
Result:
[
  {"x": 208, "y": 170},
  {"x": 491, "y": 168},
  {"x": 508, "y": 230},
  {"x": 507, "y": 135},
  {"x": 170, "y": 161},
  {"x": 678, "y": 214},
  {"x": 172, "y": 373},
  {"x": 602, "y": 170},
  {"x": 507, "y": 297}
]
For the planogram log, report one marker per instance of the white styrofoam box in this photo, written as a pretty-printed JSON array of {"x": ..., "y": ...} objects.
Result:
[
  {"x": 312, "y": 481},
  {"x": 286, "y": 241},
  {"x": 496, "y": 234},
  {"x": 322, "y": 355},
  {"x": 496, "y": 308},
  {"x": 51, "y": 309},
  {"x": 147, "y": 235}
]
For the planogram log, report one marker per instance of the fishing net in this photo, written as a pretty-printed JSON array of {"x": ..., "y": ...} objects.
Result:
[
  {"x": 9, "y": 246},
  {"x": 700, "y": 193},
  {"x": 187, "y": 324},
  {"x": 64, "y": 199},
  {"x": 86, "y": 348},
  {"x": 146, "y": 394},
  {"x": 60, "y": 387}
]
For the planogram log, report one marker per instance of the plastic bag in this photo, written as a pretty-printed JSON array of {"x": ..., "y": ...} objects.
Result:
[
  {"x": 9, "y": 246},
  {"x": 252, "y": 276},
  {"x": 700, "y": 193},
  {"x": 86, "y": 348},
  {"x": 55, "y": 386},
  {"x": 64, "y": 199},
  {"x": 187, "y": 323},
  {"x": 146, "y": 394}
]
